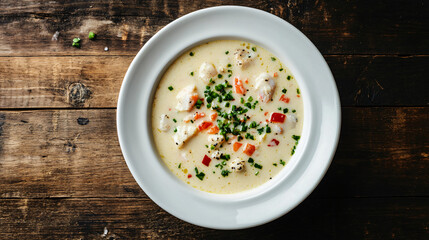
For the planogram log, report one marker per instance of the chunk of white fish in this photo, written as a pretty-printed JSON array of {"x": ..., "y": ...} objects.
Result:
[
  {"x": 237, "y": 165},
  {"x": 265, "y": 86},
  {"x": 163, "y": 123},
  {"x": 216, "y": 140},
  {"x": 187, "y": 98},
  {"x": 206, "y": 72},
  {"x": 243, "y": 57},
  {"x": 183, "y": 134},
  {"x": 291, "y": 120}
]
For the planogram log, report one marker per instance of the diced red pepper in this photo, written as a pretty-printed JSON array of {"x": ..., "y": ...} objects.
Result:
[
  {"x": 189, "y": 175},
  {"x": 236, "y": 146},
  {"x": 213, "y": 116},
  {"x": 249, "y": 149},
  {"x": 285, "y": 99},
  {"x": 275, "y": 74},
  {"x": 213, "y": 130},
  {"x": 206, "y": 160},
  {"x": 274, "y": 142},
  {"x": 278, "y": 118},
  {"x": 204, "y": 125},
  {"x": 199, "y": 115},
  {"x": 298, "y": 95},
  {"x": 238, "y": 86},
  {"x": 265, "y": 113}
]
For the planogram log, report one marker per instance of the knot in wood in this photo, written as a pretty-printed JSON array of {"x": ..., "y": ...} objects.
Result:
[{"x": 77, "y": 94}]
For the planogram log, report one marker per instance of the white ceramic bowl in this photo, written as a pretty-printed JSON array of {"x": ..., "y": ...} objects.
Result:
[{"x": 314, "y": 152}]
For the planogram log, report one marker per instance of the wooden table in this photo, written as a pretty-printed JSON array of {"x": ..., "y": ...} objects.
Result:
[{"x": 62, "y": 174}]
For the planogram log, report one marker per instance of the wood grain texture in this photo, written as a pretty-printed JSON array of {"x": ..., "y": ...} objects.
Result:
[
  {"x": 136, "y": 218},
  {"x": 94, "y": 81},
  {"x": 75, "y": 153},
  {"x": 336, "y": 27}
]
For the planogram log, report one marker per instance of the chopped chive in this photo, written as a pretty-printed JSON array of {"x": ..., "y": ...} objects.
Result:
[
  {"x": 258, "y": 166},
  {"x": 229, "y": 75},
  {"x": 297, "y": 91},
  {"x": 289, "y": 77},
  {"x": 282, "y": 162},
  {"x": 91, "y": 35},
  {"x": 281, "y": 69},
  {"x": 219, "y": 75},
  {"x": 279, "y": 108},
  {"x": 170, "y": 88},
  {"x": 284, "y": 90},
  {"x": 285, "y": 110},
  {"x": 191, "y": 54},
  {"x": 225, "y": 173},
  {"x": 226, "y": 52},
  {"x": 192, "y": 73},
  {"x": 254, "y": 49},
  {"x": 200, "y": 175},
  {"x": 295, "y": 137},
  {"x": 229, "y": 65},
  {"x": 180, "y": 164},
  {"x": 294, "y": 111},
  {"x": 175, "y": 130},
  {"x": 250, "y": 99},
  {"x": 242, "y": 100},
  {"x": 273, "y": 59},
  {"x": 76, "y": 42},
  {"x": 275, "y": 164},
  {"x": 174, "y": 120},
  {"x": 256, "y": 173}
]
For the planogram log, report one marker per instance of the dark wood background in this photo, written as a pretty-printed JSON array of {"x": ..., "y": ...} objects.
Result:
[{"x": 62, "y": 174}]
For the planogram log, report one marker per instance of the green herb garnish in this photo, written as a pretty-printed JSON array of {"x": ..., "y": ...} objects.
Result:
[
  {"x": 282, "y": 162},
  {"x": 180, "y": 165},
  {"x": 192, "y": 73},
  {"x": 76, "y": 42},
  {"x": 258, "y": 166},
  {"x": 254, "y": 49},
  {"x": 297, "y": 91},
  {"x": 198, "y": 104},
  {"x": 273, "y": 59},
  {"x": 91, "y": 35},
  {"x": 170, "y": 88},
  {"x": 284, "y": 90},
  {"x": 191, "y": 54},
  {"x": 225, "y": 173},
  {"x": 199, "y": 175}
]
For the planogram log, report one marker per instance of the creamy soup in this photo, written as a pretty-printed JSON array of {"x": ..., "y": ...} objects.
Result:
[{"x": 227, "y": 116}]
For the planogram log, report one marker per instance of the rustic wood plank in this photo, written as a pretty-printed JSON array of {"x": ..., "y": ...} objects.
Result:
[
  {"x": 379, "y": 218},
  {"x": 94, "y": 81},
  {"x": 46, "y": 82},
  {"x": 75, "y": 153},
  {"x": 360, "y": 27}
]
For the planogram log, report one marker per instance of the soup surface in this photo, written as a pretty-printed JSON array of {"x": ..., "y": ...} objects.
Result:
[{"x": 227, "y": 116}]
